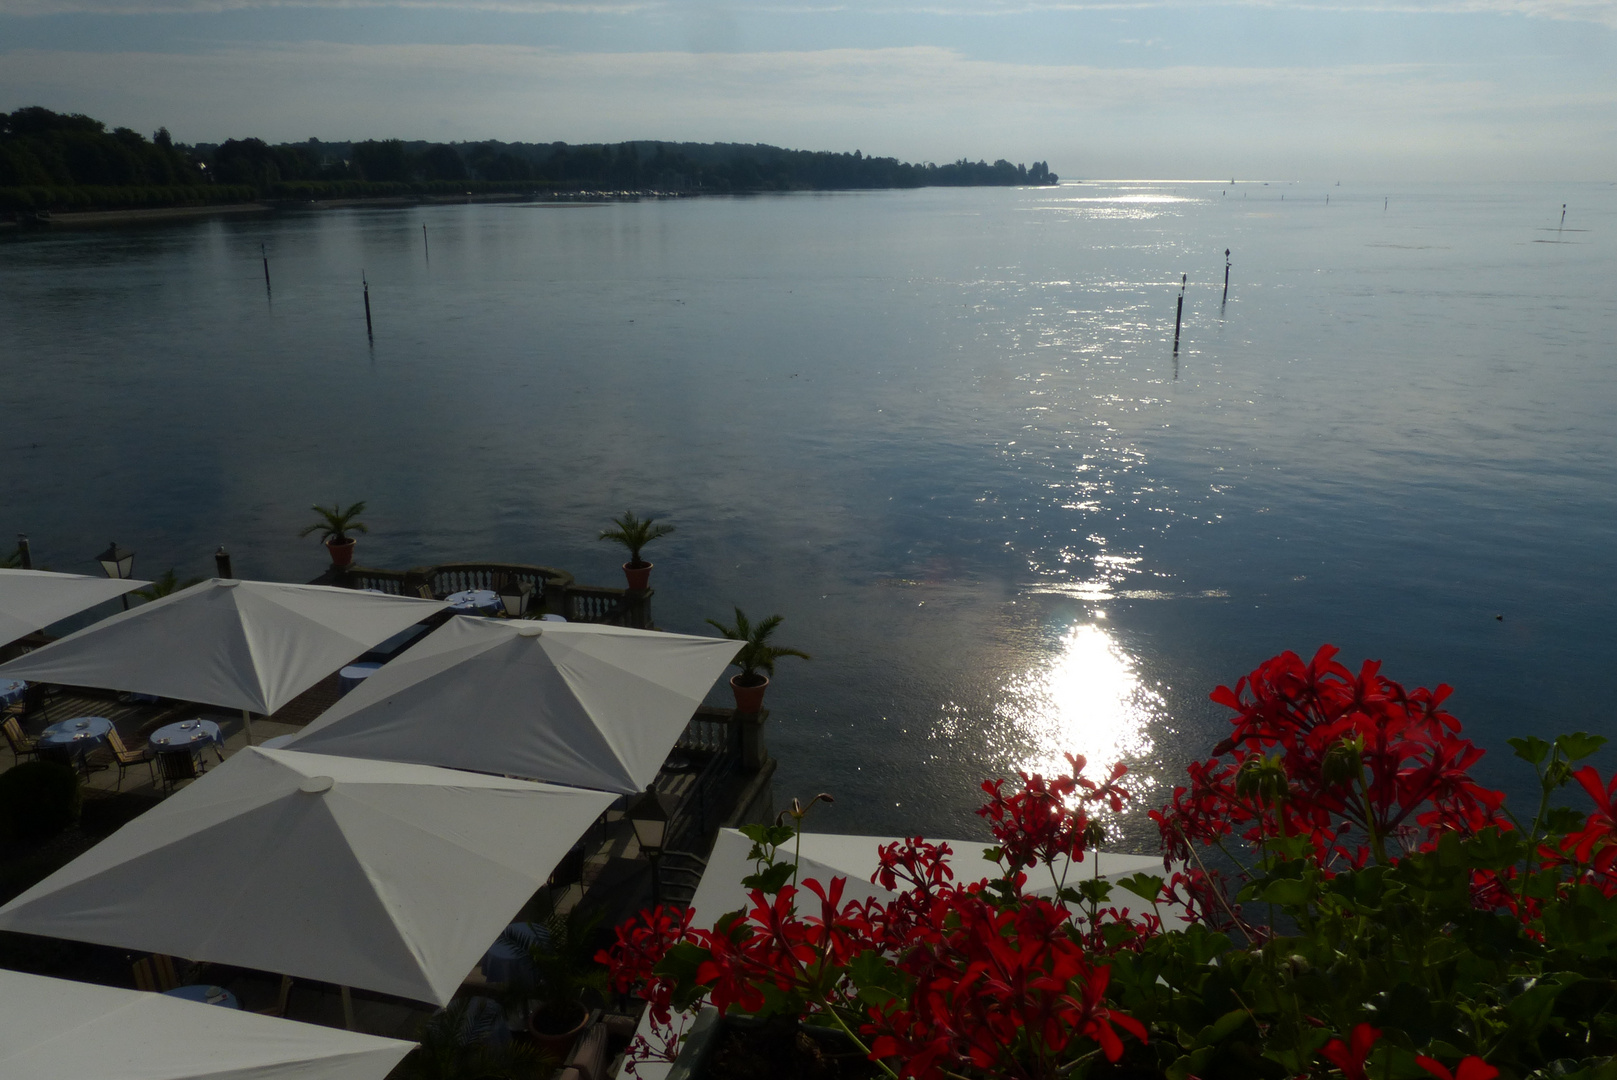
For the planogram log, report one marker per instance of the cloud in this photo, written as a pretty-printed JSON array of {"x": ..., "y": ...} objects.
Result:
[
  {"x": 1595, "y": 11},
  {"x": 920, "y": 103}
]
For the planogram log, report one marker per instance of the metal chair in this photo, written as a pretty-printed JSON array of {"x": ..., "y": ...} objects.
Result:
[
  {"x": 175, "y": 766},
  {"x": 126, "y": 757},
  {"x": 155, "y": 973},
  {"x": 279, "y": 1008},
  {"x": 21, "y": 745}
]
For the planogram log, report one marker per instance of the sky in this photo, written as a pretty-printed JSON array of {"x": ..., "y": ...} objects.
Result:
[{"x": 1349, "y": 90}]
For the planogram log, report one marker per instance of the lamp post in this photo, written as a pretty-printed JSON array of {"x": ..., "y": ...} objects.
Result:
[
  {"x": 24, "y": 556},
  {"x": 119, "y": 565},
  {"x": 650, "y": 823},
  {"x": 514, "y": 597}
]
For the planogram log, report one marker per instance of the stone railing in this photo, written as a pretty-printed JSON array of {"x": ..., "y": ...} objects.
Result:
[{"x": 554, "y": 591}]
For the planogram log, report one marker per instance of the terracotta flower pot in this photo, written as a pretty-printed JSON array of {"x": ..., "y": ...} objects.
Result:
[
  {"x": 556, "y": 1036},
  {"x": 749, "y": 699},
  {"x": 637, "y": 575},
  {"x": 342, "y": 551}
]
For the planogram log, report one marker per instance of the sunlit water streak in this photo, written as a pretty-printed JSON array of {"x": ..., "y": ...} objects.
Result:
[{"x": 942, "y": 432}]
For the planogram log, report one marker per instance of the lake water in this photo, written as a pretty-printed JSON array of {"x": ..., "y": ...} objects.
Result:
[{"x": 942, "y": 432}]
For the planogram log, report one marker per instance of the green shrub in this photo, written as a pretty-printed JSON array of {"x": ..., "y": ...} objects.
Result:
[{"x": 38, "y": 799}]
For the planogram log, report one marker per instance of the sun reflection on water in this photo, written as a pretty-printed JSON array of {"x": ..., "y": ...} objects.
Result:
[{"x": 1088, "y": 698}]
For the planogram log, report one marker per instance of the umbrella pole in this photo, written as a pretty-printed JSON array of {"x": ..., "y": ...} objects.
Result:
[
  {"x": 347, "y": 1008},
  {"x": 247, "y": 725}
]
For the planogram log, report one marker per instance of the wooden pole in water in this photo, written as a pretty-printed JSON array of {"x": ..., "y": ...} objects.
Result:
[
  {"x": 265, "y": 255},
  {"x": 368, "y": 332},
  {"x": 1226, "y": 276},
  {"x": 1179, "y": 313},
  {"x": 424, "y": 246},
  {"x": 1561, "y": 226}
]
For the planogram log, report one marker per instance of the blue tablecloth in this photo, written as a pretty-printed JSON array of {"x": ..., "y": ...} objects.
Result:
[
  {"x": 354, "y": 674},
  {"x": 12, "y": 691},
  {"x": 502, "y": 962},
  {"x": 80, "y": 735},
  {"x": 484, "y": 601},
  {"x": 190, "y": 735},
  {"x": 207, "y": 995}
]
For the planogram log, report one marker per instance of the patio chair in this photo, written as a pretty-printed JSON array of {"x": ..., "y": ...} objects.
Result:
[
  {"x": 175, "y": 766},
  {"x": 126, "y": 757},
  {"x": 155, "y": 973},
  {"x": 279, "y": 1008},
  {"x": 425, "y": 592},
  {"x": 21, "y": 745}
]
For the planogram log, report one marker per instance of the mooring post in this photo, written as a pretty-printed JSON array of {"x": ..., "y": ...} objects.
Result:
[
  {"x": 1226, "y": 276},
  {"x": 427, "y": 250},
  {"x": 1179, "y": 313},
  {"x": 265, "y": 256},
  {"x": 1563, "y": 218},
  {"x": 367, "y": 285}
]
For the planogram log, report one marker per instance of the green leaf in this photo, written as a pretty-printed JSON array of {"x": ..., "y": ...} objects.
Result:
[
  {"x": 770, "y": 835},
  {"x": 1095, "y": 890},
  {"x": 1189, "y": 1066},
  {"x": 1287, "y": 892},
  {"x": 771, "y": 880},
  {"x": 1530, "y": 748},
  {"x": 876, "y": 978},
  {"x": 1146, "y": 886},
  {"x": 1221, "y": 1029},
  {"x": 1579, "y": 744}
]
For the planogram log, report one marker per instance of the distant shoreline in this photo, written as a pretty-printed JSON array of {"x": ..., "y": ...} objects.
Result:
[{"x": 97, "y": 218}]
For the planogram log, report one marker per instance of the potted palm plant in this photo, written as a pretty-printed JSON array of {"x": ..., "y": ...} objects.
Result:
[
  {"x": 634, "y": 534},
  {"x": 756, "y": 658},
  {"x": 334, "y": 526},
  {"x": 167, "y": 585},
  {"x": 561, "y": 970}
]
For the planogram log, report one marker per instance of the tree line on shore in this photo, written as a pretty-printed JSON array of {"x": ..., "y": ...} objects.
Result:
[{"x": 54, "y": 160}]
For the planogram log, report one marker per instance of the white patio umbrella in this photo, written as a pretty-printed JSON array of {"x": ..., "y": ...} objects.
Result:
[
  {"x": 387, "y": 876},
  {"x": 248, "y": 645},
  {"x": 53, "y": 1029},
  {"x": 34, "y": 599},
  {"x": 572, "y": 703}
]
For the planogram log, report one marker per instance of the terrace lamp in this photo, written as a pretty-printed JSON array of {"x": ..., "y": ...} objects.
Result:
[
  {"x": 25, "y": 556},
  {"x": 119, "y": 565},
  {"x": 650, "y": 823},
  {"x": 514, "y": 596}
]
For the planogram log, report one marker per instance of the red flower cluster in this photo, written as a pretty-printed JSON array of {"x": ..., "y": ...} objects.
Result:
[
  {"x": 1351, "y": 761},
  {"x": 1049, "y": 820},
  {"x": 940, "y": 978}
]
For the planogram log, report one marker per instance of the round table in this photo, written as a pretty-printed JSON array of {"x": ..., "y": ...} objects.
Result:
[
  {"x": 485, "y": 601},
  {"x": 12, "y": 691},
  {"x": 80, "y": 734},
  {"x": 207, "y": 995},
  {"x": 190, "y": 735},
  {"x": 503, "y": 962},
  {"x": 552, "y": 618},
  {"x": 354, "y": 674}
]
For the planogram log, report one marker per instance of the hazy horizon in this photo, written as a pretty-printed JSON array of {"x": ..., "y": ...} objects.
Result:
[{"x": 1349, "y": 89}]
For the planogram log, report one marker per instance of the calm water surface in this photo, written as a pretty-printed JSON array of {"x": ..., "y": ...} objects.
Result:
[{"x": 942, "y": 432}]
